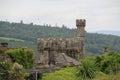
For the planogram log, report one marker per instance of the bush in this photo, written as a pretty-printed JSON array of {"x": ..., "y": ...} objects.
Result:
[
  {"x": 9, "y": 71},
  {"x": 87, "y": 69},
  {"x": 109, "y": 64},
  {"x": 91, "y": 66},
  {"x": 22, "y": 56},
  {"x": 2, "y": 50}
]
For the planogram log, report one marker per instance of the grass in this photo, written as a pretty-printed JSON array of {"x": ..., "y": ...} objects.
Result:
[
  {"x": 69, "y": 73},
  {"x": 9, "y": 39},
  {"x": 102, "y": 76},
  {"x": 63, "y": 74}
]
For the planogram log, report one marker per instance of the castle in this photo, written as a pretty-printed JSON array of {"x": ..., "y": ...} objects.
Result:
[{"x": 62, "y": 51}]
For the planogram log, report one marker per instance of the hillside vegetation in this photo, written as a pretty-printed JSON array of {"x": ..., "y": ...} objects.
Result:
[
  {"x": 15, "y": 62},
  {"x": 29, "y": 33},
  {"x": 100, "y": 67},
  {"x": 18, "y": 43}
]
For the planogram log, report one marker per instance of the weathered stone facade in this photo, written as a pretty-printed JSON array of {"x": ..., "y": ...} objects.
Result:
[{"x": 51, "y": 49}]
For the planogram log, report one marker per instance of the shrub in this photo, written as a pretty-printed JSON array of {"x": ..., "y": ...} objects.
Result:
[
  {"x": 10, "y": 72},
  {"x": 110, "y": 63},
  {"x": 2, "y": 50},
  {"x": 22, "y": 56},
  {"x": 87, "y": 69}
]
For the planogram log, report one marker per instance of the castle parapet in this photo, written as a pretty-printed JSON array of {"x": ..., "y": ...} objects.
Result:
[{"x": 80, "y": 22}]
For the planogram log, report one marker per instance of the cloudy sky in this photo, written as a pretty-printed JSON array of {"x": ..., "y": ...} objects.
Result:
[{"x": 99, "y": 14}]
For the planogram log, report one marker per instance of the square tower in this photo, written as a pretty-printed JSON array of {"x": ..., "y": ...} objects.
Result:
[{"x": 80, "y": 23}]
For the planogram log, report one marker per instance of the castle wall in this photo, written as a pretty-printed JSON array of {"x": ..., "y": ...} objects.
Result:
[
  {"x": 70, "y": 46},
  {"x": 52, "y": 47}
]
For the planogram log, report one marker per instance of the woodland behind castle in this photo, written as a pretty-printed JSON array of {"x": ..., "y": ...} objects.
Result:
[{"x": 27, "y": 34}]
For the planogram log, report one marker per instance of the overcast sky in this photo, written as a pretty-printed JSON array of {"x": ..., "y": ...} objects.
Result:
[{"x": 99, "y": 14}]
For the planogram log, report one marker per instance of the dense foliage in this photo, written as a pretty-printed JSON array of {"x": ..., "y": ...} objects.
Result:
[
  {"x": 107, "y": 64},
  {"x": 10, "y": 70},
  {"x": 95, "y": 43},
  {"x": 15, "y": 62},
  {"x": 18, "y": 43},
  {"x": 100, "y": 67},
  {"x": 22, "y": 56},
  {"x": 87, "y": 69},
  {"x": 29, "y": 33}
]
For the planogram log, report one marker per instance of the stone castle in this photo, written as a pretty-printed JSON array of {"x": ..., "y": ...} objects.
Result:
[{"x": 62, "y": 51}]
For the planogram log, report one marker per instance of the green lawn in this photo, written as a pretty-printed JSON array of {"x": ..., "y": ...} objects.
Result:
[
  {"x": 63, "y": 74},
  {"x": 70, "y": 74}
]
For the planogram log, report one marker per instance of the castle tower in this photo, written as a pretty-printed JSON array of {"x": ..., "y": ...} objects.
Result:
[{"x": 80, "y": 23}]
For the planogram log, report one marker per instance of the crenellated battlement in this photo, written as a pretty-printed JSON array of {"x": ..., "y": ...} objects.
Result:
[
  {"x": 80, "y": 22},
  {"x": 52, "y": 49}
]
